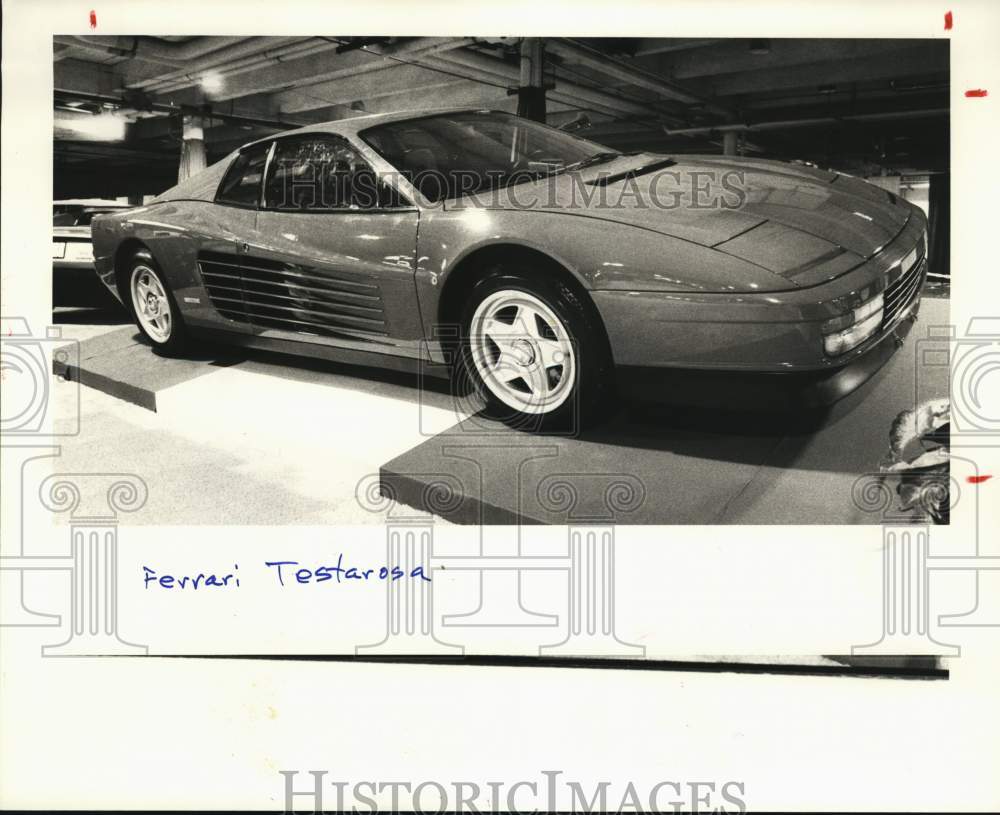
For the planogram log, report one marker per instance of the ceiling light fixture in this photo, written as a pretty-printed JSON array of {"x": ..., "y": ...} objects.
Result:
[
  {"x": 102, "y": 127},
  {"x": 212, "y": 82}
]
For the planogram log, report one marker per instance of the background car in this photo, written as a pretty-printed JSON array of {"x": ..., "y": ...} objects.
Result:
[{"x": 73, "y": 280}]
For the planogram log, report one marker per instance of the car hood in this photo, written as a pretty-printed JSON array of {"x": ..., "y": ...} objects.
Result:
[{"x": 804, "y": 224}]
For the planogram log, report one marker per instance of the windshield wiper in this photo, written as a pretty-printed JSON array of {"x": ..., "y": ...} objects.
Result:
[
  {"x": 590, "y": 161},
  {"x": 598, "y": 158}
]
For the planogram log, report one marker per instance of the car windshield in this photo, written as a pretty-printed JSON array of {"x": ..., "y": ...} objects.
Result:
[{"x": 453, "y": 154}]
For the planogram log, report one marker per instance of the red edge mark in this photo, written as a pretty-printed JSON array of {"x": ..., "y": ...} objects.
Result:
[
  {"x": 947, "y": 21},
  {"x": 93, "y": 19},
  {"x": 977, "y": 93},
  {"x": 978, "y": 479}
]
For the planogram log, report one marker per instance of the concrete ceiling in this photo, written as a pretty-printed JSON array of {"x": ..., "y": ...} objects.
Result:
[{"x": 857, "y": 103}]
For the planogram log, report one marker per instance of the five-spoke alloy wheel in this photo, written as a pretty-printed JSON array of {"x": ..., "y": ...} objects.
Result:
[
  {"x": 155, "y": 312},
  {"x": 149, "y": 299},
  {"x": 534, "y": 348},
  {"x": 522, "y": 351}
]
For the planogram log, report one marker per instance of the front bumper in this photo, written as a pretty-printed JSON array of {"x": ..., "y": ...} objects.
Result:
[{"x": 762, "y": 391}]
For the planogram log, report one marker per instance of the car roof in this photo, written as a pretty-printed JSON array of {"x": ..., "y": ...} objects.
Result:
[{"x": 354, "y": 125}]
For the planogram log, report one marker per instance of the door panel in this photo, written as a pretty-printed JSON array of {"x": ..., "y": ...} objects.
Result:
[
  {"x": 343, "y": 278},
  {"x": 329, "y": 259}
]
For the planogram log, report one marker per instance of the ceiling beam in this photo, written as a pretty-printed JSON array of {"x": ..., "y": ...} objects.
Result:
[
  {"x": 734, "y": 56},
  {"x": 809, "y": 122},
  {"x": 399, "y": 79},
  {"x": 479, "y": 66},
  {"x": 913, "y": 61},
  {"x": 665, "y": 45},
  {"x": 328, "y": 65},
  {"x": 849, "y": 96},
  {"x": 577, "y": 54},
  {"x": 151, "y": 49},
  {"x": 79, "y": 76},
  {"x": 136, "y": 74}
]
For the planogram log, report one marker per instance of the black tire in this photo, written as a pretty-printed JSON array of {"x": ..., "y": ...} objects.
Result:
[
  {"x": 178, "y": 340},
  {"x": 593, "y": 389}
]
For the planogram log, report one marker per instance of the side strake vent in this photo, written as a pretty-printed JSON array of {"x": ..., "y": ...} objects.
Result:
[{"x": 271, "y": 294}]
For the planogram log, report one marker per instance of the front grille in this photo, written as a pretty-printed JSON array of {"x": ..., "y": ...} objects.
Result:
[
  {"x": 902, "y": 291},
  {"x": 271, "y": 294}
]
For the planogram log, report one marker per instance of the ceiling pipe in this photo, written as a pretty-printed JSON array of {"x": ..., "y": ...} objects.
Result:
[
  {"x": 823, "y": 120},
  {"x": 380, "y": 57},
  {"x": 175, "y": 110},
  {"x": 576, "y": 54},
  {"x": 183, "y": 79},
  {"x": 107, "y": 50},
  {"x": 248, "y": 48},
  {"x": 150, "y": 49},
  {"x": 657, "y": 45},
  {"x": 510, "y": 75},
  {"x": 502, "y": 79},
  {"x": 557, "y": 94}
]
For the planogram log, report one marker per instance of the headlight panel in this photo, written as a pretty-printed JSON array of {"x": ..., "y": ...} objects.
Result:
[{"x": 862, "y": 323}]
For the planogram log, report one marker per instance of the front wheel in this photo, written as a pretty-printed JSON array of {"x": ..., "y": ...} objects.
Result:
[
  {"x": 535, "y": 351},
  {"x": 153, "y": 306}
]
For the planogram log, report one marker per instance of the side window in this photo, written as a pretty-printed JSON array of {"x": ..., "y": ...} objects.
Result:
[
  {"x": 241, "y": 185},
  {"x": 322, "y": 173}
]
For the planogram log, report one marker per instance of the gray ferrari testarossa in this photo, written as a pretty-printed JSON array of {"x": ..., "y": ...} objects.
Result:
[{"x": 550, "y": 271}]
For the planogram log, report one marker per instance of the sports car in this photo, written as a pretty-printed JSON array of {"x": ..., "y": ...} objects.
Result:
[{"x": 550, "y": 272}]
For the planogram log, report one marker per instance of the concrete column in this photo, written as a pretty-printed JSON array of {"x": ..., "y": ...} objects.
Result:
[
  {"x": 531, "y": 90},
  {"x": 194, "y": 158},
  {"x": 729, "y": 141}
]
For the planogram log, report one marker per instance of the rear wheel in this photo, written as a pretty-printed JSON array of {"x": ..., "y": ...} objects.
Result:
[
  {"x": 153, "y": 306},
  {"x": 535, "y": 351}
]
